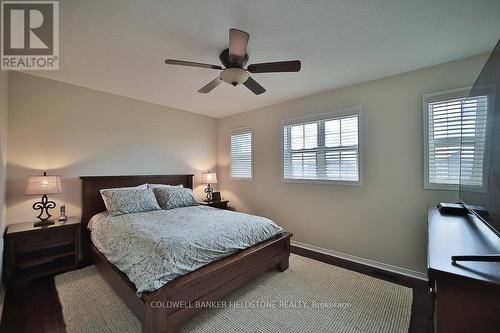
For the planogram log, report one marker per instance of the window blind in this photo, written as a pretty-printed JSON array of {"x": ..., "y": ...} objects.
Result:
[
  {"x": 241, "y": 153},
  {"x": 322, "y": 149},
  {"x": 456, "y": 135}
]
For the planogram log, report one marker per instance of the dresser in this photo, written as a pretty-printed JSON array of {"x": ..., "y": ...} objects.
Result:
[{"x": 466, "y": 295}]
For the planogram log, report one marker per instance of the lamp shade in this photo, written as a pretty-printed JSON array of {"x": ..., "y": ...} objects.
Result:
[
  {"x": 41, "y": 185},
  {"x": 209, "y": 178}
]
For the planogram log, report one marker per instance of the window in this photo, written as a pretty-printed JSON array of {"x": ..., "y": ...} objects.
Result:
[
  {"x": 324, "y": 148},
  {"x": 454, "y": 132},
  {"x": 241, "y": 153}
]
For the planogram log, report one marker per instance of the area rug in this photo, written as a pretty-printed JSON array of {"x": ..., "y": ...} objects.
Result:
[{"x": 309, "y": 297}]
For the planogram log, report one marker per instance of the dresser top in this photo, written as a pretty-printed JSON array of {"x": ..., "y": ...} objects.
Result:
[
  {"x": 461, "y": 235},
  {"x": 28, "y": 226}
]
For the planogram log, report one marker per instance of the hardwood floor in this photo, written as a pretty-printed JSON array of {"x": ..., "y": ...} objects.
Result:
[{"x": 35, "y": 307}]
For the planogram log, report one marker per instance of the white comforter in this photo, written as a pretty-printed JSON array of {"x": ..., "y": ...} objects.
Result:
[{"x": 156, "y": 247}]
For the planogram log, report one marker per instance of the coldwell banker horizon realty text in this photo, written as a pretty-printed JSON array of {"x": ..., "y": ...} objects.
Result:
[{"x": 30, "y": 35}]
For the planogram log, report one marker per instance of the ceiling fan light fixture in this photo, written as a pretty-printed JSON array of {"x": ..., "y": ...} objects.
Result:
[
  {"x": 235, "y": 59},
  {"x": 234, "y": 76}
]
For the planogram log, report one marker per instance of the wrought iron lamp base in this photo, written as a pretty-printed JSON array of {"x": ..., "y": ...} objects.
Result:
[
  {"x": 209, "y": 192},
  {"x": 44, "y": 215},
  {"x": 43, "y": 223}
]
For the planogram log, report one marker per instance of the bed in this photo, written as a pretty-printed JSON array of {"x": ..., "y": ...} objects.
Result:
[{"x": 164, "y": 309}]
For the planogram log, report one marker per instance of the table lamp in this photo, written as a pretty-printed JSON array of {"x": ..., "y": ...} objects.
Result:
[
  {"x": 209, "y": 178},
  {"x": 43, "y": 185}
]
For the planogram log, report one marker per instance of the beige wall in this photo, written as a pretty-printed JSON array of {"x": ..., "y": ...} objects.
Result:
[
  {"x": 384, "y": 219},
  {"x": 3, "y": 154},
  {"x": 73, "y": 131}
]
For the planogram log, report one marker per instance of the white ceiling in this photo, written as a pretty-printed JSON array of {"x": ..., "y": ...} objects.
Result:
[{"x": 119, "y": 46}]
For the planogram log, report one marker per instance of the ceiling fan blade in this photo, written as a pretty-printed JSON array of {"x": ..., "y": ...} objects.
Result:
[
  {"x": 254, "y": 86},
  {"x": 191, "y": 63},
  {"x": 272, "y": 67},
  {"x": 211, "y": 85},
  {"x": 238, "y": 42}
]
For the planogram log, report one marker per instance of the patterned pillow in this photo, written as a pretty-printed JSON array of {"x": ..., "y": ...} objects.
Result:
[
  {"x": 163, "y": 185},
  {"x": 125, "y": 201},
  {"x": 142, "y": 187},
  {"x": 174, "y": 197}
]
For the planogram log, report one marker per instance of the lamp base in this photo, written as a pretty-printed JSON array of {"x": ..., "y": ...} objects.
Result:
[
  {"x": 43, "y": 223},
  {"x": 208, "y": 191}
]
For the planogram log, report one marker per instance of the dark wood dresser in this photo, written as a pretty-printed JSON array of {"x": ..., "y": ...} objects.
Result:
[
  {"x": 466, "y": 295},
  {"x": 34, "y": 252}
]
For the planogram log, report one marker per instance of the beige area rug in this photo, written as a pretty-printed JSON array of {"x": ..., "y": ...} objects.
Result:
[{"x": 309, "y": 297}]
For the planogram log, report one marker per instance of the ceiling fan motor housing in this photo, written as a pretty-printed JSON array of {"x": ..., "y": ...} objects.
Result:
[
  {"x": 234, "y": 76},
  {"x": 227, "y": 62}
]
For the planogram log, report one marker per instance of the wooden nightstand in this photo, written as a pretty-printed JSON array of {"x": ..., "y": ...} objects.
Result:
[
  {"x": 222, "y": 204},
  {"x": 34, "y": 252}
]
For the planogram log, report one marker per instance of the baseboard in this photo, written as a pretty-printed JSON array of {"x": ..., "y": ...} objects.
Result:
[{"x": 359, "y": 264}]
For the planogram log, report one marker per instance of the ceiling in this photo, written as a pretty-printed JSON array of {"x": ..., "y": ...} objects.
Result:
[{"x": 119, "y": 46}]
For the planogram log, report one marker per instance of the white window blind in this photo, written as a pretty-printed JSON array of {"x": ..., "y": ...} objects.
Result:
[
  {"x": 241, "y": 153},
  {"x": 456, "y": 134},
  {"x": 474, "y": 113},
  {"x": 325, "y": 148}
]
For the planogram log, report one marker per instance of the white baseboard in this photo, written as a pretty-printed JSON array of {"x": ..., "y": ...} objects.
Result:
[{"x": 363, "y": 261}]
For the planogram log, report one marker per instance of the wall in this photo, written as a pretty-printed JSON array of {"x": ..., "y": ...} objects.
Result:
[
  {"x": 4, "y": 103},
  {"x": 73, "y": 131},
  {"x": 384, "y": 219},
  {"x": 3, "y": 153}
]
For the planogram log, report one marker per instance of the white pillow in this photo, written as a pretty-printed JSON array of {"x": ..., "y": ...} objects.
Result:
[
  {"x": 140, "y": 187},
  {"x": 163, "y": 186}
]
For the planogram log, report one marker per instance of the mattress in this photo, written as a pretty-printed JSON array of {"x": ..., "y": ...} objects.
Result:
[{"x": 153, "y": 248}]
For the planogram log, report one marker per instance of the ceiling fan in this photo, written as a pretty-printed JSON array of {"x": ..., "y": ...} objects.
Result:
[{"x": 233, "y": 59}]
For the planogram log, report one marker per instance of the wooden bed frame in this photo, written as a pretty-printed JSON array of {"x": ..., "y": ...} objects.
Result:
[{"x": 163, "y": 310}]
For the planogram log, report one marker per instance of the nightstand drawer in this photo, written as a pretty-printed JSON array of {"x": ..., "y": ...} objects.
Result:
[
  {"x": 36, "y": 241},
  {"x": 221, "y": 204}
]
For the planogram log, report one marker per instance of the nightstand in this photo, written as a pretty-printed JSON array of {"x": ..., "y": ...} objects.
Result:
[
  {"x": 222, "y": 204},
  {"x": 34, "y": 252}
]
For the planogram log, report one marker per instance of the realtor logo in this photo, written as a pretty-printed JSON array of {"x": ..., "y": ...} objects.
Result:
[{"x": 30, "y": 35}]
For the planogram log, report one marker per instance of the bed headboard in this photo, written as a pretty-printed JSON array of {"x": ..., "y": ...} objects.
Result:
[{"x": 92, "y": 202}]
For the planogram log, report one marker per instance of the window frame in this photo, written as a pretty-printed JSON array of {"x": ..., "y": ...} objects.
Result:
[
  {"x": 426, "y": 100},
  {"x": 353, "y": 111},
  {"x": 239, "y": 130}
]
